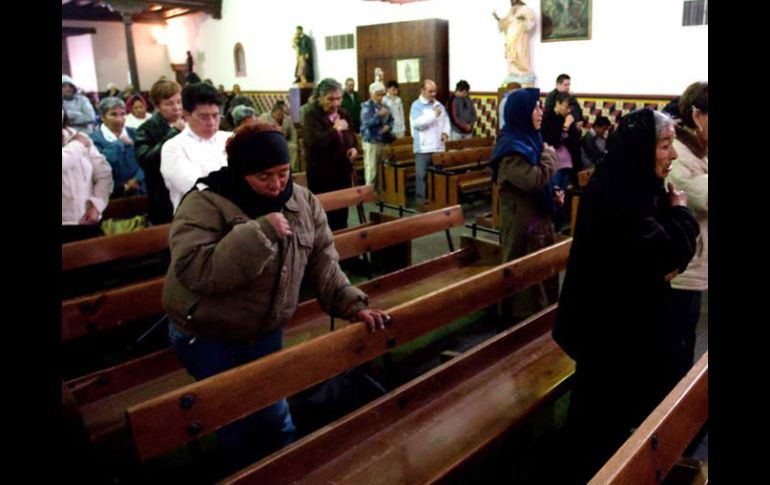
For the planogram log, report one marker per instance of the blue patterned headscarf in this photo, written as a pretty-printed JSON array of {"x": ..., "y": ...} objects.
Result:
[{"x": 519, "y": 135}]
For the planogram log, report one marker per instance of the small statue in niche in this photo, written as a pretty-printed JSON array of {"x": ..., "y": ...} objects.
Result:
[{"x": 379, "y": 75}]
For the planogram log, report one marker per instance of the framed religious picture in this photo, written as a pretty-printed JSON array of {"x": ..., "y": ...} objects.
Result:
[
  {"x": 408, "y": 70},
  {"x": 565, "y": 20}
]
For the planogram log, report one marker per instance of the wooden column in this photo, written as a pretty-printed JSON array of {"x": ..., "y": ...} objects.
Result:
[{"x": 133, "y": 73}]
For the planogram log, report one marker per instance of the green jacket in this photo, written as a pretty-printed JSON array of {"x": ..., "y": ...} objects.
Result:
[
  {"x": 351, "y": 103},
  {"x": 232, "y": 277}
]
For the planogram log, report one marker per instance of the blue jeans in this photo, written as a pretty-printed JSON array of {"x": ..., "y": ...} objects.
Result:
[
  {"x": 421, "y": 164},
  {"x": 258, "y": 434}
]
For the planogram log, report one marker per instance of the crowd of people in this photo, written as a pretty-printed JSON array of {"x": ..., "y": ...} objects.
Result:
[{"x": 220, "y": 172}]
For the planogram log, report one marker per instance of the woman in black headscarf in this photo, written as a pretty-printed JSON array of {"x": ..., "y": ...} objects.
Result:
[
  {"x": 523, "y": 166},
  {"x": 631, "y": 238},
  {"x": 242, "y": 241}
]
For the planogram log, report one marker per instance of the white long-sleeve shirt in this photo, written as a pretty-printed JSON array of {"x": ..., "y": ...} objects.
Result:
[
  {"x": 427, "y": 127},
  {"x": 187, "y": 157},
  {"x": 85, "y": 176}
]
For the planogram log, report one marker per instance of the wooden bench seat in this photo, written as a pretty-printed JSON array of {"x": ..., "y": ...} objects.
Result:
[
  {"x": 105, "y": 399},
  {"x": 422, "y": 431},
  {"x": 160, "y": 425},
  {"x": 94, "y": 251},
  {"x": 143, "y": 378},
  {"x": 456, "y": 172}
]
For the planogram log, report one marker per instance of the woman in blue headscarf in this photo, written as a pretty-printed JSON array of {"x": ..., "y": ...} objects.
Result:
[{"x": 523, "y": 166}]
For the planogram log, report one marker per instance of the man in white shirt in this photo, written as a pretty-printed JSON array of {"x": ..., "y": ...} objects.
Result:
[
  {"x": 430, "y": 130},
  {"x": 200, "y": 148}
]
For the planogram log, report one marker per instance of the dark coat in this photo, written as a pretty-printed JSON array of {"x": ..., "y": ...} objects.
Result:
[
  {"x": 150, "y": 137},
  {"x": 627, "y": 238},
  {"x": 328, "y": 167},
  {"x": 613, "y": 314}
]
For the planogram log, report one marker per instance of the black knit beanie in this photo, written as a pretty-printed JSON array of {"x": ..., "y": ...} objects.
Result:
[{"x": 253, "y": 149}]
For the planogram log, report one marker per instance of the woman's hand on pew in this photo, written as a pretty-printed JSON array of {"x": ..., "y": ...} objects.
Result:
[
  {"x": 91, "y": 216},
  {"x": 374, "y": 319}
]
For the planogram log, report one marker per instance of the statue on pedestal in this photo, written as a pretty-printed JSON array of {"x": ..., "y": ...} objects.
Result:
[{"x": 517, "y": 26}]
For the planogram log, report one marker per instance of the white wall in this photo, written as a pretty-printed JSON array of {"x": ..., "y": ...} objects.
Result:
[
  {"x": 111, "y": 59},
  {"x": 635, "y": 47},
  {"x": 81, "y": 55}
]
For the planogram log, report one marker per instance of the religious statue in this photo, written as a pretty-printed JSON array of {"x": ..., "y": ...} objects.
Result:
[
  {"x": 517, "y": 26},
  {"x": 189, "y": 62},
  {"x": 303, "y": 45},
  {"x": 379, "y": 75}
]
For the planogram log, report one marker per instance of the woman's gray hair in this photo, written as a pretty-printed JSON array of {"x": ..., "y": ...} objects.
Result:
[
  {"x": 109, "y": 103},
  {"x": 662, "y": 121},
  {"x": 376, "y": 86},
  {"x": 325, "y": 87}
]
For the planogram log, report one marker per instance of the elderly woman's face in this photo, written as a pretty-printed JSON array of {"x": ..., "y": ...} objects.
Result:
[
  {"x": 331, "y": 101},
  {"x": 115, "y": 119},
  {"x": 270, "y": 182},
  {"x": 138, "y": 109},
  {"x": 664, "y": 152}
]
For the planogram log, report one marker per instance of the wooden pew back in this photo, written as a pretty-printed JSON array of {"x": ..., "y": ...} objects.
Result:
[
  {"x": 89, "y": 252},
  {"x": 462, "y": 158},
  {"x": 169, "y": 421},
  {"x": 650, "y": 453}
]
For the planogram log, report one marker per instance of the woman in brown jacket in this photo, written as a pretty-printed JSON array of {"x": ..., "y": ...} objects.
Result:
[{"x": 242, "y": 240}]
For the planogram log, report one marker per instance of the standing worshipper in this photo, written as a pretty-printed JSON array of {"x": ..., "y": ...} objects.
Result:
[
  {"x": 80, "y": 112},
  {"x": 396, "y": 107},
  {"x": 116, "y": 143},
  {"x": 86, "y": 184},
  {"x": 330, "y": 146},
  {"x": 430, "y": 131},
  {"x": 242, "y": 241},
  {"x": 351, "y": 103},
  {"x": 376, "y": 125},
  {"x": 631, "y": 238},
  {"x": 163, "y": 125},
  {"x": 690, "y": 173},
  {"x": 200, "y": 148},
  {"x": 523, "y": 167}
]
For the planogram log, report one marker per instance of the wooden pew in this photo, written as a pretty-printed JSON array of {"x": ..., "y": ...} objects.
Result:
[
  {"x": 161, "y": 424},
  {"x": 455, "y": 172},
  {"x": 584, "y": 176},
  {"x": 487, "y": 141},
  {"x": 404, "y": 140},
  {"x": 426, "y": 429},
  {"x": 126, "y": 207},
  {"x": 653, "y": 449},
  {"x": 109, "y": 309},
  {"x": 397, "y": 166},
  {"x": 106, "y": 393},
  {"x": 89, "y": 252}
]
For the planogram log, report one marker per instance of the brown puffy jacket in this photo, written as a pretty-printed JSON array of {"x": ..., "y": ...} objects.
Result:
[{"x": 232, "y": 277}]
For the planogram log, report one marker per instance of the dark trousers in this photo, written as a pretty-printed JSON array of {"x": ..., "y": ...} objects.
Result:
[
  {"x": 338, "y": 219},
  {"x": 258, "y": 434},
  {"x": 685, "y": 313}
]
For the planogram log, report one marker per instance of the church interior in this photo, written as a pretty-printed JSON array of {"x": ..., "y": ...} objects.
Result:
[{"x": 236, "y": 173}]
